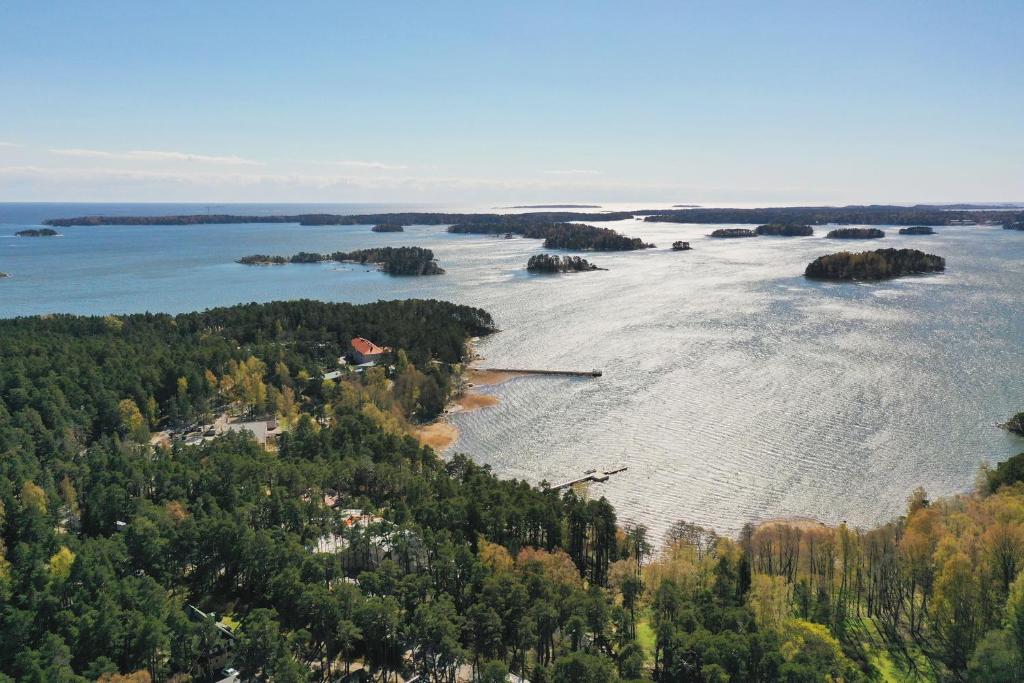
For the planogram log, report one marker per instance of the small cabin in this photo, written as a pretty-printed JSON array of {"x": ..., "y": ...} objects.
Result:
[{"x": 365, "y": 351}]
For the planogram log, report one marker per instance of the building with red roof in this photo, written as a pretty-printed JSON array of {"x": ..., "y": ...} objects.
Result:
[{"x": 365, "y": 351}]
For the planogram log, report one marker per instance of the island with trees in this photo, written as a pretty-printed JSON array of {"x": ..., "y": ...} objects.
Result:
[
  {"x": 917, "y": 230},
  {"x": 874, "y": 265},
  {"x": 37, "y": 232},
  {"x": 3, "y": 275},
  {"x": 729, "y": 233},
  {"x": 785, "y": 230},
  {"x": 573, "y": 236},
  {"x": 855, "y": 234},
  {"x": 1018, "y": 225},
  {"x": 553, "y": 263},
  {"x": 391, "y": 260},
  {"x": 388, "y": 227},
  {"x": 679, "y": 245}
]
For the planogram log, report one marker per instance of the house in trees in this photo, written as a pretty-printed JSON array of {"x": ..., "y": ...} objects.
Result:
[{"x": 365, "y": 351}]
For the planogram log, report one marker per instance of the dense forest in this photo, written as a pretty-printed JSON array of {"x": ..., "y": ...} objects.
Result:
[
  {"x": 918, "y": 230},
  {"x": 855, "y": 234},
  {"x": 37, "y": 232},
  {"x": 785, "y": 230},
  {"x": 553, "y": 263},
  {"x": 349, "y": 547},
  {"x": 388, "y": 227},
  {"x": 574, "y": 236},
  {"x": 679, "y": 245},
  {"x": 726, "y": 233},
  {"x": 874, "y": 265},
  {"x": 392, "y": 260}
]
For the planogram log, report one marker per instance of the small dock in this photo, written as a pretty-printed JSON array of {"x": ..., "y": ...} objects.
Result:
[
  {"x": 566, "y": 373},
  {"x": 590, "y": 475}
]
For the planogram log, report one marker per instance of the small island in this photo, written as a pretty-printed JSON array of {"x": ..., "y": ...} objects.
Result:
[
  {"x": 1019, "y": 225},
  {"x": 855, "y": 234},
  {"x": 391, "y": 260},
  {"x": 552, "y": 263},
  {"x": 917, "y": 230},
  {"x": 880, "y": 264},
  {"x": 785, "y": 230},
  {"x": 3, "y": 275},
  {"x": 37, "y": 232},
  {"x": 1015, "y": 424},
  {"x": 388, "y": 227},
  {"x": 680, "y": 246},
  {"x": 732, "y": 232}
]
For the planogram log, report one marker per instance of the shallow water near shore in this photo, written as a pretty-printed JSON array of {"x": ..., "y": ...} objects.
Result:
[{"x": 733, "y": 388}]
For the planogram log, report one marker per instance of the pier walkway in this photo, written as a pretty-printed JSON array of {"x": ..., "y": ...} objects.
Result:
[{"x": 590, "y": 475}]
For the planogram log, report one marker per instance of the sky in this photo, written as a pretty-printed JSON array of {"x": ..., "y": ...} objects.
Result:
[{"x": 687, "y": 102}]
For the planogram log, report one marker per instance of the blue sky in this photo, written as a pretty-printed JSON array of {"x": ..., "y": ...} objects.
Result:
[{"x": 703, "y": 102}]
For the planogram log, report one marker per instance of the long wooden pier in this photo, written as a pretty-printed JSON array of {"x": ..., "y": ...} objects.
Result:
[
  {"x": 521, "y": 371},
  {"x": 591, "y": 475}
]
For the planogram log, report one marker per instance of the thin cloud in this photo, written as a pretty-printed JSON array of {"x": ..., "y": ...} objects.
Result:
[
  {"x": 9, "y": 144},
  {"x": 156, "y": 155},
  {"x": 572, "y": 171},
  {"x": 368, "y": 164}
]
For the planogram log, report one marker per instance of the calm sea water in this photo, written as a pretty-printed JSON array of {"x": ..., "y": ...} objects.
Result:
[{"x": 733, "y": 389}]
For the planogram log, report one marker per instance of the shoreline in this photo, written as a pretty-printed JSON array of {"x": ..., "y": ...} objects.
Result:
[{"x": 441, "y": 434}]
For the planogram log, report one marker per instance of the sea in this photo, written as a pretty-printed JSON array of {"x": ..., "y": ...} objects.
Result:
[{"x": 732, "y": 388}]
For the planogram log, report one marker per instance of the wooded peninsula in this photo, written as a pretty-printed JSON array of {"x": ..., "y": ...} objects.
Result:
[
  {"x": 392, "y": 260},
  {"x": 131, "y": 553},
  {"x": 874, "y": 265}
]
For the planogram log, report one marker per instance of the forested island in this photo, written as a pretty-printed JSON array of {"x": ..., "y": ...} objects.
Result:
[
  {"x": 1019, "y": 225},
  {"x": 347, "y": 544},
  {"x": 855, "y": 234},
  {"x": 392, "y": 260},
  {"x": 553, "y": 263},
  {"x": 917, "y": 230},
  {"x": 3, "y": 275},
  {"x": 37, "y": 232},
  {"x": 680, "y": 246},
  {"x": 785, "y": 230},
  {"x": 388, "y": 227},
  {"x": 874, "y": 265},
  {"x": 574, "y": 236},
  {"x": 728, "y": 233}
]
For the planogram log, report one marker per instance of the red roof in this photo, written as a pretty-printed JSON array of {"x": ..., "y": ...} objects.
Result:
[{"x": 366, "y": 347}]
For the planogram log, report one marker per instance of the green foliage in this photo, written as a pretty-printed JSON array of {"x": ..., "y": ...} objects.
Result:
[{"x": 1006, "y": 473}]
